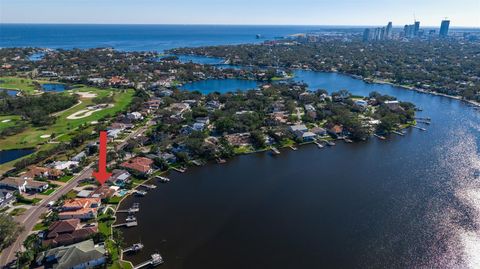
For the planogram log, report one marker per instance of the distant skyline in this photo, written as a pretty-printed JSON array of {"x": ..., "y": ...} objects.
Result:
[{"x": 462, "y": 13}]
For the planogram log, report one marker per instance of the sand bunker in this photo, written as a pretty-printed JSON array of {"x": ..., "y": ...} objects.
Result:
[
  {"x": 5, "y": 121},
  {"x": 45, "y": 136},
  {"x": 88, "y": 112},
  {"x": 86, "y": 94}
]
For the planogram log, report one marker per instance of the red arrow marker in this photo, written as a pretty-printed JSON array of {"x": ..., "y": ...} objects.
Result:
[{"x": 102, "y": 175}]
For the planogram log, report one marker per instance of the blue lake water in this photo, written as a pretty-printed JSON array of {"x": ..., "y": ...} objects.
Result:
[
  {"x": 10, "y": 92},
  {"x": 54, "y": 87},
  {"x": 10, "y": 155},
  {"x": 36, "y": 56},
  {"x": 407, "y": 202},
  {"x": 200, "y": 59},
  {"x": 220, "y": 85}
]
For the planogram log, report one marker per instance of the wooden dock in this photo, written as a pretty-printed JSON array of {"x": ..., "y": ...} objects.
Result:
[
  {"x": 134, "y": 209},
  {"x": 162, "y": 179},
  {"x": 320, "y": 146},
  {"x": 126, "y": 224},
  {"x": 154, "y": 261},
  {"x": 181, "y": 170},
  {"x": 148, "y": 186},
  {"x": 420, "y": 128},
  {"x": 398, "y": 133}
]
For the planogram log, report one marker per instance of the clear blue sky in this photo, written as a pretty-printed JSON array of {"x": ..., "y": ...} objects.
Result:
[{"x": 290, "y": 12}]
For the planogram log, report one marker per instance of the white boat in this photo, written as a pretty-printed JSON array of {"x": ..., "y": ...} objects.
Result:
[
  {"x": 140, "y": 193},
  {"x": 130, "y": 219},
  {"x": 137, "y": 247},
  {"x": 163, "y": 179}
]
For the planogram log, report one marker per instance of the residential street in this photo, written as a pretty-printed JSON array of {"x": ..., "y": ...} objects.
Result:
[{"x": 32, "y": 215}]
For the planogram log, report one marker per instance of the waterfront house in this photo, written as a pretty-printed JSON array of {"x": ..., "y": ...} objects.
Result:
[
  {"x": 298, "y": 128},
  {"x": 361, "y": 103},
  {"x": 81, "y": 255},
  {"x": 119, "y": 177},
  {"x": 168, "y": 157},
  {"x": 241, "y": 139},
  {"x": 393, "y": 105},
  {"x": 79, "y": 203},
  {"x": 66, "y": 232},
  {"x": 319, "y": 131},
  {"x": 336, "y": 130},
  {"x": 24, "y": 184},
  {"x": 103, "y": 192},
  {"x": 84, "y": 194},
  {"x": 80, "y": 208},
  {"x": 307, "y": 136},
  {"x": 140, "y": 165}
]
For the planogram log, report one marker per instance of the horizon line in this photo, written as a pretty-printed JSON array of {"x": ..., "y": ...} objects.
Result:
[{"x": 221, "y": 24}]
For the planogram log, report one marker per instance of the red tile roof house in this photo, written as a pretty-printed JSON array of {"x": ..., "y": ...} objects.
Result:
[
  {"x": 139, "y": 165},
  {"x": 80, "y": 208},
  {"x": 66, "y": 232}
]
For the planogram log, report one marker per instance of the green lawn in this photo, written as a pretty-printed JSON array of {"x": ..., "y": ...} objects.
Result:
[
  {"x": 9, "y": 121},
  {"x": 40, "y": 227},
  {"x": 65, "y": 179},
  {"x": 25, "y": 201},
  {"x": 23, "y": 84},
  {"x": 71, "y": 194},
  {"x": 120, "y": 265},
  {"x": 63, "y": 126},
  {"x": 49, "y": 191},
  {"x": 104, "y": 227},
  {"x": 114, "y": 200},
  {"x": 18, "y": 211},
  {"x": 63, "y": 129}
]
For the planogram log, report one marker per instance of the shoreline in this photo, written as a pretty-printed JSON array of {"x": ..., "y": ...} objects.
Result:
[
  {"x": 366, "y": 80},
  {"x": 455, "y": 97}
]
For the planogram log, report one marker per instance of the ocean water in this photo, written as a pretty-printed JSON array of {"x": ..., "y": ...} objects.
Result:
[{"x": 138, "y": 37}]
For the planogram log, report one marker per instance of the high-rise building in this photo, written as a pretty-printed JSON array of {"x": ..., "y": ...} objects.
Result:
[
  {"x": 388, "y": 31},
  {"x": 409, "y": 31},
  {"x": 416, "y": 28},
  {"x": 444, "y": 28},
  {"x": 366, "y": 35}
]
